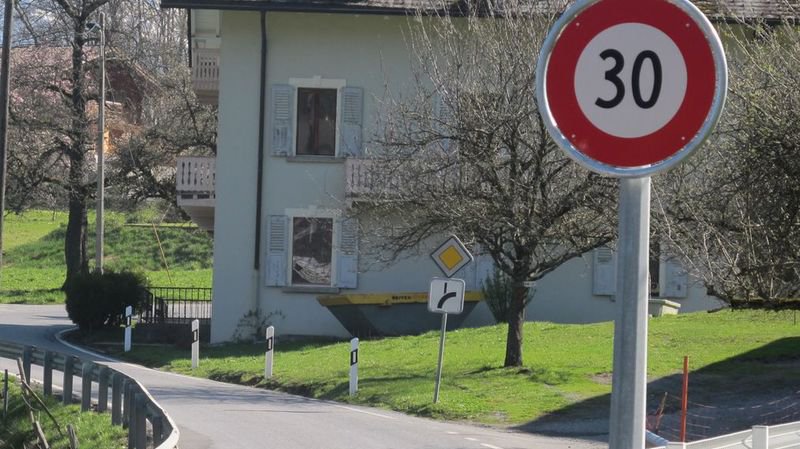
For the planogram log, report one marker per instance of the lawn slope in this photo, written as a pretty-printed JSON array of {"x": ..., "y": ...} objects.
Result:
[
  {"x": 565, "y": 365},
  {"x": 33, "y": 262}
]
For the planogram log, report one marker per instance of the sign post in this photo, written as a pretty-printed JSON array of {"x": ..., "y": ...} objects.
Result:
[
  {"x": 628, "y": 88},
  {"x": 195, "y": 343},
  {"x": 445, "y": 296},
  {"x": 128, "y": 315},
  {"x": 270, "y": 348}
]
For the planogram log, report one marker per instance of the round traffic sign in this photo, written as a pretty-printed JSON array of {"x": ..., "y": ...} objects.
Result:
[{"x": 630, "y": 87}]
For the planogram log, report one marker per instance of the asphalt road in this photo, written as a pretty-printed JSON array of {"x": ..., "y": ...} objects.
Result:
[{"x": 214, "y": 415}]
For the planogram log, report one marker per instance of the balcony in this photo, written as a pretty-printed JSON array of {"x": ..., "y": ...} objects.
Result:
[
  {"x": 365, "y": 180},
  {"x": 195, "y": 184},
  {"x": 205, "y": 74}
]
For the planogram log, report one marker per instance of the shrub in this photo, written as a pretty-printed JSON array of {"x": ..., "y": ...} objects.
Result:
[
  {"x": 96, "y": 300},
  {"x": 498, "y": 291}
]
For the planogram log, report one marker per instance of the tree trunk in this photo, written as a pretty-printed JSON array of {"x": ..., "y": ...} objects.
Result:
[
  {"x": 77, "y": 260},
  {"x": 75, "y": 241},
  {"x": 516, "y": 319}
]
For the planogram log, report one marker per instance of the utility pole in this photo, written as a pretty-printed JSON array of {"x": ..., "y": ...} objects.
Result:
[
  {"x": 101, "y": 143},
  {"x": 5, "y": 73}
]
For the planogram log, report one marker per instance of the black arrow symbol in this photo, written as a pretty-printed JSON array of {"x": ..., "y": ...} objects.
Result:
[{"x": 445, "y": 297}]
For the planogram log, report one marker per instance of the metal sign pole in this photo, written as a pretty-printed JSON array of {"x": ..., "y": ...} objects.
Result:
[
  {"x": 629, "y": 384},
  {"x": 441, "y": 359}
]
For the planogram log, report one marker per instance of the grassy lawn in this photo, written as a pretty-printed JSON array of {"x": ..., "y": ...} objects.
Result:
[
  {"x": 566, "y": 365},
  {"x": 94, "y": 430},
  {"x": 33, "y": 263}
]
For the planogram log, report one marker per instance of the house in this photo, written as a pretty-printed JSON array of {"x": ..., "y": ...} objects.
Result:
[{"x": 296, "y": 83}]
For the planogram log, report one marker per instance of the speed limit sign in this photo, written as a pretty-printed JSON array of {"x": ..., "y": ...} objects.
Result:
[{"x": 630, "y": 87}]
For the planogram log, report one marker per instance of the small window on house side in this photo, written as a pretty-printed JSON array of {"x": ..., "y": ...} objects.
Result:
[
  {"x": 316, "y": 122},
  {"x": 312, "y": 245}
]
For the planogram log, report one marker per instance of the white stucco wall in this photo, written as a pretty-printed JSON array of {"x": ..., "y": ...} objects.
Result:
[{"x": 365, "y": 51}]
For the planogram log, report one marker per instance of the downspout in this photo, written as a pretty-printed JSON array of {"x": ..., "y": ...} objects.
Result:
[
  {"x": 260, "y": 165},
  {"x": 189, "y": 34}
]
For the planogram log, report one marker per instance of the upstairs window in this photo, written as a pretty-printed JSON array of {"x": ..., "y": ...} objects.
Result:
[{"x": 316, "y": 122}]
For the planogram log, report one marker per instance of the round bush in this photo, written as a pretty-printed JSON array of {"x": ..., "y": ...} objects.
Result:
[{"x": 97, "y": 300}]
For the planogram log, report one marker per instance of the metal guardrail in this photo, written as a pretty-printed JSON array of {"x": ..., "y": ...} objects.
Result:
[
  {"x": 132, "y": 406},
  {"x": 759, "y": 437},
  {"x": 176, "y": 305}
]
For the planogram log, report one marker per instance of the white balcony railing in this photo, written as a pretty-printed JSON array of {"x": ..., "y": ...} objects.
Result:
[
  {"x": 205, "y": 69},
  {"x": 196, "y": 175},
  {"x": 360, "y": 178}
]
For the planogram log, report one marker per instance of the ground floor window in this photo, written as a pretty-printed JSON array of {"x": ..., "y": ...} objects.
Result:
[{"x": 312, "y": 250}]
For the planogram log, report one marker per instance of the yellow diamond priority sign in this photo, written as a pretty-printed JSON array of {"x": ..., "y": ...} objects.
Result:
[{"x": 451, "y": 256}]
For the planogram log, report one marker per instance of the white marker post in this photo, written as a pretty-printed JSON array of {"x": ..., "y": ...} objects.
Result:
[
  {"x": 195, "y": 343},
  {"x": 270, "y": 348},
  {"x": 353, "y": 366},
  {"x": 128, "y": 315}
]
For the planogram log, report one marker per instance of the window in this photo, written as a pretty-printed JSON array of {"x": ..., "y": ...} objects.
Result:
[
  {"x": 316, "y": 117},
  {"x": 312, "y": 248},
  {"x": 316, "y": 122}
]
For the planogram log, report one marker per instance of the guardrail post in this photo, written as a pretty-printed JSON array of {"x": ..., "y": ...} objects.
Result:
[
  {"x": 127, "y": 403},
  {"x": 158, "y": 429},
  {"x": 102, "y": 389},
  {"x": 27, "y": 356},
  {"x": 5, "y": 393},
  {"x": 48, "y": 373},
  {"x": 140, "y": 406},
  {"x": 86, "y": 386},
  {"x": 129, "y": 415},
  {"x": 116, "y": 399},
  {"x": 69, "y": 366},
  {"x": 676, "y": 445},
  {"x": 760, "y": 437}
]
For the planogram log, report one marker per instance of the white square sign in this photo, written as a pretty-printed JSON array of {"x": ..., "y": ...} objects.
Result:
[{"x": 446, "y": 296}]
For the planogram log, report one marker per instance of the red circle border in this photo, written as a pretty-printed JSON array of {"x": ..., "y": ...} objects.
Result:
[{"x": 684, "y": 125}]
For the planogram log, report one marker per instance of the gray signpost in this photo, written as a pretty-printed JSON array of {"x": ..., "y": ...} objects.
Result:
[{"x": 627, "y": 92}]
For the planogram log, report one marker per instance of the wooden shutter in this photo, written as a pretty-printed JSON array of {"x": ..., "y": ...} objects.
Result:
[
  {"x": 352, "y": 119},
  {"x": 282, "y": 105},
  {"x": 277, "y": 250},
  {"x": 675, "y": 282},
  {"x": 347, "y": 254},
  {"x": 604, "y": 273}
]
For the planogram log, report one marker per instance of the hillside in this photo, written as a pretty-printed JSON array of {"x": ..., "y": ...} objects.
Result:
[{"x": 33, "y": 262}]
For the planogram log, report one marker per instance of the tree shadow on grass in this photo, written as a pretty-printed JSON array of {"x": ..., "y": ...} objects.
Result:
[{"x": 761, "y": 386}]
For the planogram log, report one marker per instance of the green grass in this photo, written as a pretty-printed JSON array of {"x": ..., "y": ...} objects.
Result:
[
  {"x": 94, "y": 430},
  {"x": 567, "y": 366},
  {"x": 33, "y": 263}
]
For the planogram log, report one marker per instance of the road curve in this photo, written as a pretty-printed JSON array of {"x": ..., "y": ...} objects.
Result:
[{"x": 214, "y": 415}]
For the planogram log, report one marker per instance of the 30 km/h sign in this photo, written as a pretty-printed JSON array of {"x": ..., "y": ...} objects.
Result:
[{"x": 630, "y": 87}]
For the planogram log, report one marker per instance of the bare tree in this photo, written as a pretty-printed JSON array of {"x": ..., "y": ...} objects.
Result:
[
  {"x": 467, "y": 152},
  {"x": 733, "y": 212},
  {"x": 55, "y": 95}
]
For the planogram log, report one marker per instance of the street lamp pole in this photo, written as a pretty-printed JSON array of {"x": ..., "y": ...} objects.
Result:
[
  {"x": 5, "y": 73},
  {"x": 101, "y": 141}
]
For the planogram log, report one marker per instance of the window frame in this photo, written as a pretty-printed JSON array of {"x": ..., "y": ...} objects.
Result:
[
  {"x": 333, "y": 215},
  {"x": 317, "y": 82}
]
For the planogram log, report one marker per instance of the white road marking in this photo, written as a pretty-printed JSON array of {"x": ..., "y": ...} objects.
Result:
[
  {"x": 364, "y": 412},
  {"x": 470, "y": 439},
  {"x": 491, "y": 446},
  {"x": 452, "y": 433}
]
